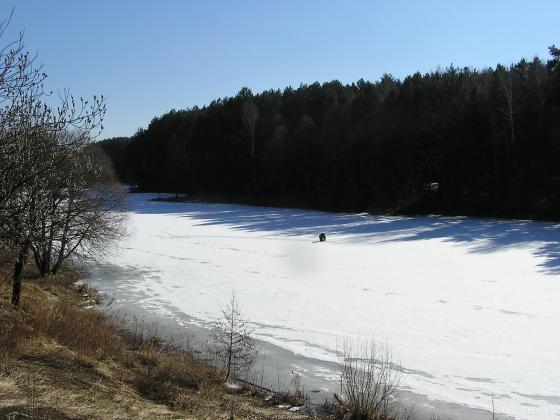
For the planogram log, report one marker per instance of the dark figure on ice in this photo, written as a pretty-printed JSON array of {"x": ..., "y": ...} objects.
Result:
[{"x": 322, "y": 237}]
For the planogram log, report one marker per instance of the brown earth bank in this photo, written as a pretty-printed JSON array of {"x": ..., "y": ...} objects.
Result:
[{"x": 59, "y": 359}]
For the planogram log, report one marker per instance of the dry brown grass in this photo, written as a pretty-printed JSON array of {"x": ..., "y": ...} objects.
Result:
[
  {"x": 59, "y": 360},
  {"x": 163, "y": 373},
  {"x": 87, "y": 332}
]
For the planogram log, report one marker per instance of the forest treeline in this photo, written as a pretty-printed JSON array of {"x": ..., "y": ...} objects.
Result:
[{"x": 457, "y": 141}]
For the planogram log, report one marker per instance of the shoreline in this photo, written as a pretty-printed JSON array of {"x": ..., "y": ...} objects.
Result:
[
  {"x": 267, "y": 202},
  {"x": 62, "y": 358},
  {"x": 279, "y": 362},
  {"x": 186, "y": 257}
]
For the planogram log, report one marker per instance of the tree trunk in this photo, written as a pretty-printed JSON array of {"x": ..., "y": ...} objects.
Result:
[
  {"x": 42, "y": 261},
  {"x": 254, "y": 176},
  {"x": 55, "y": 268},
  {"x": 230, "y": 348},
  {"x": 59, "y": 259},
  {"x": 249, "y": 118},
  {"x": 63, "y": 242},
  {"x": 18, "y": 274},
  {"x": 46, "y": 267},
  {"x": 228, "y": 366}
]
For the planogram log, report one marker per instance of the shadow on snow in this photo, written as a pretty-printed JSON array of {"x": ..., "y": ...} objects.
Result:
[{"x": 483, "y": 235}]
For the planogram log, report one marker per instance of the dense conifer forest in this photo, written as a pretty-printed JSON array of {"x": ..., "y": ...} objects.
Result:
[{"x": 458, "y": 141}]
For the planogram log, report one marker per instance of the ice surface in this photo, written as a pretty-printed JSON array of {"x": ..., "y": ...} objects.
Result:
[{"x": 470, "y": 307}]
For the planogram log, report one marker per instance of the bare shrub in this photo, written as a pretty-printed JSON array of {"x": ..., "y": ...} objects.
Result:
[
  {"x": 369, "y": 380},
  {"x": 294, "y": 395},
  {"x": 136, "y": 332}
]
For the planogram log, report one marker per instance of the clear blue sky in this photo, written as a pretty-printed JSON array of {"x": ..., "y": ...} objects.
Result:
[{"x": 147, "y": 57}]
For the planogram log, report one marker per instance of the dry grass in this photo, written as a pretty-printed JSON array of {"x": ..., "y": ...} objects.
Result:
[
  {"x": 59, "y": 360},
  {"x": 163, "y": 373},
  {"x": 86, "y": 332}
]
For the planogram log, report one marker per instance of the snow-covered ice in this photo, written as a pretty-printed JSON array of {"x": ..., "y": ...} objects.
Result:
[{"x": 470, "y": 307}]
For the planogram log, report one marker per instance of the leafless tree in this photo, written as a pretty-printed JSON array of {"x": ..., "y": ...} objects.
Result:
[
  {"x": 247, "y": 134},
  {"x": 249, "y": 119},
  {"x": 81, "y": 214},
  {"x": 505, "y": 82},
  {"x": 234, "y": 340},
  {"x": 39, "y": 144},
  {"x": 25, "y": 118}
]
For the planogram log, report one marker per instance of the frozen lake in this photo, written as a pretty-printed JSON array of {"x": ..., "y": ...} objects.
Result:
[{"x": 469, "y": 307}]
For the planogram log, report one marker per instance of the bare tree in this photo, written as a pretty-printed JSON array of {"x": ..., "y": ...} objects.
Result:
[
  {"x": 505, "y": 83},
  {"x": 247, "y": 134},
  {"x": 34, "y": 149},
  {"x": 25, "y": 118},
  {"x": 81, "y": 214},
  {"x": 249, "y": 118},
  {"x": 234, "y": 340},
  {"x": 369, "y": 379}
]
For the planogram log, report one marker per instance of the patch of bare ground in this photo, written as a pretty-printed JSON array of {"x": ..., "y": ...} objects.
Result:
[{"x": 60, "y": 360}]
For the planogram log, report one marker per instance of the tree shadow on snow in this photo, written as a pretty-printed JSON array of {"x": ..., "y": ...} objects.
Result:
[{"x": 482, "y": 235}]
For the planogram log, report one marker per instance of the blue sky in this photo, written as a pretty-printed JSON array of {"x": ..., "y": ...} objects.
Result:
[{"x": 147, "y": 57}]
